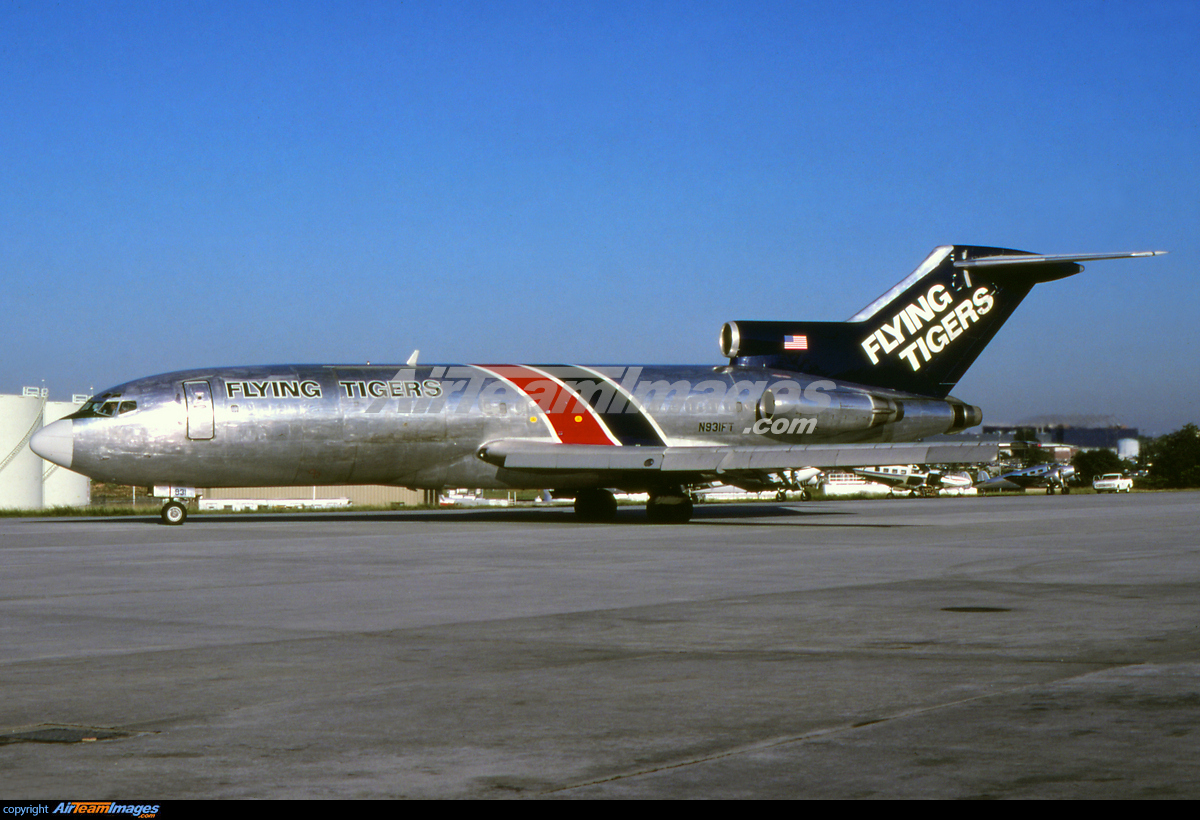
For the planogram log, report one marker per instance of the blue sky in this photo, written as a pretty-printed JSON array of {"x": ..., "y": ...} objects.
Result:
[{"x": 196, "y": 184}]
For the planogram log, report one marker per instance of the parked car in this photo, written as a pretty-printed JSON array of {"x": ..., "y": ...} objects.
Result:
[{"x": 1112, "y": 483}]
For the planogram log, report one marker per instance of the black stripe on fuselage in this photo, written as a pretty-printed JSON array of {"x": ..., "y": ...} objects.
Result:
[{"x": 623, "y": 418}]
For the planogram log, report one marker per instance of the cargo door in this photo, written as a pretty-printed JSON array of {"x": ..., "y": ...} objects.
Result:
[{"x": 199, "y": 410}]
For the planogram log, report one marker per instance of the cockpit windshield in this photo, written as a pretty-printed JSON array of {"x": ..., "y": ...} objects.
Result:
[{"x": 105, "y": 405}]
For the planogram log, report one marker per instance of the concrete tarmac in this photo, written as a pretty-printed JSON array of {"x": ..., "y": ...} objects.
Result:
[{"x": 995, "y": 647}]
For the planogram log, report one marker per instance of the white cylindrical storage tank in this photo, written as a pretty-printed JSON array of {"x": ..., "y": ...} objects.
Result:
[
  {"x": 1129, "y": 448},
  {"x": 60, "y": 486},
  {"x": 20, "y": 467}
]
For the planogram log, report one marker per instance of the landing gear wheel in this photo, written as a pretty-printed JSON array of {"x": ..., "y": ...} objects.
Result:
[
  {"x": 781, "y": 495},
  {"x": 174, "y": 513},
  {"x": 669, "y": 509},
  {"x": 595, "y": 506},
  {"x": 1066, "y": 490},
  {"x": 1050, "y": 490},
  {"x": 805, "y": 495}
]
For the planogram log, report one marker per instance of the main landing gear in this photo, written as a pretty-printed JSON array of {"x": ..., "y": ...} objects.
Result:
[
  {"x": 600, "y": 507},
  {"x": 669, "y": 508},
  {"x": 595, "y": 506}
]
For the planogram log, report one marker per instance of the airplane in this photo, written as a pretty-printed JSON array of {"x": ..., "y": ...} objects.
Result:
[
  {"x": 801, "y": 481},
  {"x": 792, "y": 395},
  {"x": 910, "y": 477},
  {"x": 1051, "y": 476}
]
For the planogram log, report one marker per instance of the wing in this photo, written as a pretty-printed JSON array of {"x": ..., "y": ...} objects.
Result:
[{"x": 686, "y": 465}]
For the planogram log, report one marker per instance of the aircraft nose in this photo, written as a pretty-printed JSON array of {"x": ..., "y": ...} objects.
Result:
[{"x": 55, "y": 442}]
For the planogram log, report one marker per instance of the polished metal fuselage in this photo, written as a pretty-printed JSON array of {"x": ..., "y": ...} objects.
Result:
[{"x": 423, "y": 426}]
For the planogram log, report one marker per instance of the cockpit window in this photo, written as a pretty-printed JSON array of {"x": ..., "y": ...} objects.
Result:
[{"x": 104, "y": 406}]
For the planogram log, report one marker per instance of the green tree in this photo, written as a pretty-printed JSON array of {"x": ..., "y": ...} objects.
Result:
[
  {"x": 1032, "y": 454},
  {"x": 1090, "y": 463},
  {"x": 1175, "y": 458}
]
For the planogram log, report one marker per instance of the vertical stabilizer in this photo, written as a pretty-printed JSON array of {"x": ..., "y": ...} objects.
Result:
[{"x": 922, "y": 334}]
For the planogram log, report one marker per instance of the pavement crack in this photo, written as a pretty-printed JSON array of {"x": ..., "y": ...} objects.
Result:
[{"x": 802, "y": 737}]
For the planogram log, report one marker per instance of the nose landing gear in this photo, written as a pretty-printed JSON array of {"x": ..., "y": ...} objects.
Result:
[
  {"x": 174, "y": 510},
  {"x": 174, "y": 513}
]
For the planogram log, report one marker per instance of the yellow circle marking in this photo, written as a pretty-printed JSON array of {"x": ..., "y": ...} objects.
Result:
[
  {"x": 533, "y": 419},
  {"x": 579, "y": 418}
]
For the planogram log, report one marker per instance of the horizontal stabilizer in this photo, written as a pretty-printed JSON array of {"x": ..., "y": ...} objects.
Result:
[{"x": 1032, "y": 259}]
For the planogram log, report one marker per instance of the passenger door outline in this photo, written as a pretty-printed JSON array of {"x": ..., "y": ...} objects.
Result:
[{"x": 199, "y": 410}]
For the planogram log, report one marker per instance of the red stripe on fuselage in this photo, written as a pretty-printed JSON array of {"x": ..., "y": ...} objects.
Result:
[{"x": 573, "y": 419}]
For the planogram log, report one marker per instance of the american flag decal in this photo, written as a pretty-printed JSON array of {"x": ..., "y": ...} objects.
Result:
[{"x": 795, "y": 343}]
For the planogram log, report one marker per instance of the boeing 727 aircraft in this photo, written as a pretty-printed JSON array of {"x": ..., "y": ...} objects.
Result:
[{"x": 792, "y": 395}]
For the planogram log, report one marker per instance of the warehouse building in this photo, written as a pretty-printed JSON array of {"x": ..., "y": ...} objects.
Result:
[{"x": 1081, "y": 432}]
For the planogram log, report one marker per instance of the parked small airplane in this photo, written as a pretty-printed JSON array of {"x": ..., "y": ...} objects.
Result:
[
  {"x": 912, "y": 478},
  {"x": 1053, "y": 477},
  {"x": 792, "y": 396}
]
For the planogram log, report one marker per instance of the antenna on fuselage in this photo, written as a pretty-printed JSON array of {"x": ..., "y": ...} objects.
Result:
[{"x": 412, "y": 360}]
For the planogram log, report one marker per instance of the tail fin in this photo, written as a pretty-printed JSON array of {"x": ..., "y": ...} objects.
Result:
[{"x": 920, "y": 336}]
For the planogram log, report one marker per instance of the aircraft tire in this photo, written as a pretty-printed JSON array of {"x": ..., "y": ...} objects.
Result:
[
  {"x": 173, "y": 513},
  {"x": 781, "y": 496},
  {"x": 669, "y": 509},
  {"x": 805, "y": 495},
  {"x": 595, "y": 506}
]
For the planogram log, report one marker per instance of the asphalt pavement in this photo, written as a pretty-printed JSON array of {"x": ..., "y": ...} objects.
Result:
[{"x": 1028, "y": 646}]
